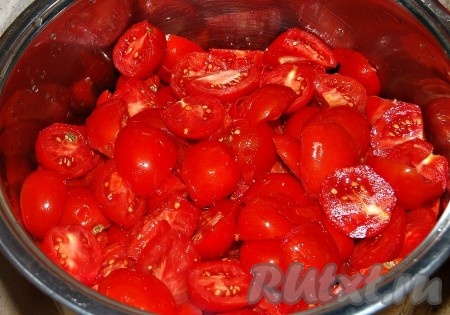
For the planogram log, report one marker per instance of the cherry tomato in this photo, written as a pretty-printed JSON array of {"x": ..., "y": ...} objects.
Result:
[
  {"x": 194, "y": 117},
  {"x": 215, "y": 177},
  {"x": 137, "y": 94},
  {"x": 74, "y": 249},
  {"x": 142, "y": 291},
  {"x": 260, "y": 251},
  {"x": 324, "y": 147},
  {"x": 205, "y": 73},
  {"x": 353, "y": 64},
  {"x": 218, "y": 286},
  {"x": 145, "y": 156},
  {"x": 42, "y": 200},
  {"x": 357, "y": 201},
  {"x": 383, "y": 247},
  {"x": 295, "y": 46},
  {"x": 64, "y": 149},
  {"x": 140, "y": 50},
  {"x": 295, "y": 122}
]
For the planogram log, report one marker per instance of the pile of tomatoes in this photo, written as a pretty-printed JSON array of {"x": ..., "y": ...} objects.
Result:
[{"x": 202, "y": 163}]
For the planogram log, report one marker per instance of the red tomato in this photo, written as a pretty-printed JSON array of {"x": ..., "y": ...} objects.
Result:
[
  {"x": 295, "y": 122},
  {"x": 299, "y": 77},
  {"x": 267, "y": 103},
  {"x": 82, "y": 208},
  {"x": 104, "y": 123},
  {"x": 340, "y": 90},
  {"x": 352, "y": 120},
  {"x": 345, "y": 244},
  {"x": 177, "y": 46},
  {"x": 165, "y": 97},
  {"x": 376, "y": 107},
  {"x": 75, "y": 250},
  {"x": 115, "y": 197},
  {"x": 195, "y": 117},
  {"x": 140, "y": 50},
  {"x": 172, "y": 185},
  {"x": 137, "y": 94},
  {"x": 398, "y": 124},
  {"x": 436, "y": 116},
  {"x": 382, "y": 247},
  {"x": 295, "y": 46},
  {"x": 419, "y": 223},
  {"x": 42, "y": 200},
  {"x": 289, "y": 150},
  {"x": 254, "y": 148},
  {"x": 64, "y": 149},
  {"x": 260, "y": 251},
  {"x": 145, "y": 156},
  {"x": 262, "y": 218},
  {"x": 215, "y": 177},
  {"x": 218, "y": 286},
  {"x": 353, "y": 64},
  {"x": 206, "y": 73},
  {"x": 357, "y": 201},
  {"x": 215, "y": 231},
  {"x": 310, "y": 245},
  {"x": 324, "y": 147},
  {"x": 413, "y": 170},
  {"x": 143, "y": 291}
]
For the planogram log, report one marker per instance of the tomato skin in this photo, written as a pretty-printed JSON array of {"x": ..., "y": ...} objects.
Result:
[
  {"x": 295, "y": 46},
  {"x": 104, "y": 123},
  {"x": 202, "y": 179},
  {"x": 325, "y": 147},
  {"x": 382, "y": 247},
  {"x": 289, "y": 150},
  {"x": 260, "y": 251},
  {"x": 63, "y": 148},
  {"x": 136, "y": 93},
  {"x": 143, "y": 291},
  {"x": 42, "y": 199},
  {"x": 295, "y": 122},
  {"x": 311, "y": 245},
  {"x": 357, "y": 201},
  {"x": 195, "y": 117},
  {"x": 353, "y": 64},
  {"x": 75, "y": 250},
  {"x": 210, "y": 285},
  {"x": 82, "y": 208},
  {"x": 140, "y": 50},
  {"x": 144, "y": 156}
]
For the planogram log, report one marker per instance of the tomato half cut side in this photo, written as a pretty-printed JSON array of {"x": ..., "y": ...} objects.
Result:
[
  {"x": 357, "y": 201},
  {"x": 74, "y": 249},
  {"x": 218, "y": 286}
]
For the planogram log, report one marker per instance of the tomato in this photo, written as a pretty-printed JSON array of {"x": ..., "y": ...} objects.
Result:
[
  {"x": 82, "y": 208},
  {"x": 254, "y": 148},
  {"x": 260, "y": 251},
  {"x": 114, "y": 257},
  {"x": 177, "y": 46},
  {"x": 295, "y": 122},
  {"x": 299, "y": 77},
  {"x": 115, "y": 197},
  {"x": 357, "y": 201},
  {"x": 75, "y": 250},
  {"x": 140, "y": 50},
  {"x": 353, "y": 64},
  {"x": 206, "y": 73},
  {"x": 215, "y": 177},
  {"x": 419, "y": 223},
  {"x": 262, "y": 218},
  {"x": 218, "y": 286},
  {"x": 382, "y": 247},
  {"x": 165, "y": 97},
  {"x": 311, "y": 245},
  {"x": 288, "y": 149},
  {"x": 42, "y": 200},
  {"x": 413, "y": 170},
  {"x": 215, "y": 231},
  {"x": 144, "y": 156},
  {"x": 267, "y": 103},
  {"x": 137, "y": 94},
  {"x": 398, "y": 124},
  {"x": 84, "y": 96},
  {"x": 172, "y": 185},
  {"x": 104, "y": 123},
  {"x": 64, "y": 149},
  {"x": 345, "y": 244},
  {"x": 324, "y": 147},
  {"x": 376, "y": 107},
  {"x": 352, "y": 120},
  {"x": 142, "y": 291},
  {"x": 194, "y": 117},
  {"x": 169, "y": 257},
  {"x": 340, "y": 90},
  {"x": 436, "y": 116},
  {"x": 296, "y": 45}
]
